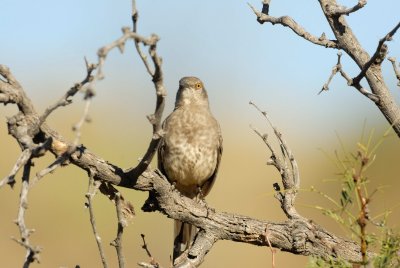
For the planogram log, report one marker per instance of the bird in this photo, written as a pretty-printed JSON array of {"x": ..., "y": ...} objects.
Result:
[{"x": 190, "y": 151}]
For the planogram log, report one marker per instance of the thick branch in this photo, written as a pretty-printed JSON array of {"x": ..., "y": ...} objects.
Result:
[
  {"x": 372, "y": 72},
  {"x": 298, "y": 236}
]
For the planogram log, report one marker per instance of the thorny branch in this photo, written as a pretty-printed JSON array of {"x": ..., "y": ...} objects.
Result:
[
  {"x": 338, "y": 68},
  {"x": 378, "y": 57},
  {"x": 347, "y": 41},
  {"x": 294, "y": 26}
]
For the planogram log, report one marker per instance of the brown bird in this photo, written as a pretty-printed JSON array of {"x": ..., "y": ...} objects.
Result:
[{"x": 190, "y": 152}]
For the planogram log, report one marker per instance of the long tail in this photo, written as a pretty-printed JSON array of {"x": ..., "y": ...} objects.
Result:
[{"x": 183, "y": 237}]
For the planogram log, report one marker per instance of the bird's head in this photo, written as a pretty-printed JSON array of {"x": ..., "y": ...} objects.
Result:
[{"x": 191, "y": 92}]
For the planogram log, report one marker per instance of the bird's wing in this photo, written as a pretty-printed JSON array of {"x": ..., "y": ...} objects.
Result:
[
  {"x": 160, "y": 154},
  {"x": 206, "y": 187}
]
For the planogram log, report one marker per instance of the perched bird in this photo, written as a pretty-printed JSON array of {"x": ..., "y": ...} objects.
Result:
[{"x": 190, "y": 152}]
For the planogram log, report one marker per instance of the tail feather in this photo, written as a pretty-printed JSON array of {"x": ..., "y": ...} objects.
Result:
[{"x": 183, "y": 237}]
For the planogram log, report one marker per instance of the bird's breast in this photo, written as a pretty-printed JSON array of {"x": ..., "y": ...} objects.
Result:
[{"x": 191, "y": 147}]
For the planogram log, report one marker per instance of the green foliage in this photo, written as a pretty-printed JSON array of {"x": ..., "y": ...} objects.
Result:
[
  {"x": 390, "y": 250},
  {"x": 351, "y": 211}
]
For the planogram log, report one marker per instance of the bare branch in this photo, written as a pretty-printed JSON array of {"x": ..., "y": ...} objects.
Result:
[
  {"x": 53, "y": 166},
  {"x": 158, "y": 81},
  {"x": 92, "y": 189},
  {"x": 295, "y": 27},
  {"x": 338, "y": 68},
  {"x": 65, "y": 100},
  {"x": 379, "y": 55},
  {"x": 135, "y": 17},
  {"x": 120, "y": 44},
  {"x": 84, "y": 118},
  {"x": 21, "y": 161},
  {"x": 117, "y": 242},
  {"x": 153, "y": 263},
  {"x": 32, "y": 252},
  {"x": 290, "y": 176},
  {"x": 341, "y": 10},
  {"x": 395, "y": 69}
]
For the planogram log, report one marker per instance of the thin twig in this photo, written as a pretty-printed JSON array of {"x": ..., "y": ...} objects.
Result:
[
  {"x": 290, "y": 176},
  {"x": 32, "y": 252},
  {"x": 21, "y": 161},
  {"x": 66, "y": 99},
  {"x": 117, "y": 242},
  {"x": 395, "y": 69},
  {"x": 295, "y": 27},
  {"x": 273, "y": 251},
  {"x": 158, "y": 81},
  {"x": 135, "y": 17},
  {"x": 53, "y": 166},
  {"x": 153, "y": 262},
  {"x": 84, "y": 118},
  {"x": 92, "y": 189},
  {"x": 341, "y": 10},
  {"x": 120, "y": 44},
  {"x": 379, "y": 55},
  {"x": 338, "y": 69}
]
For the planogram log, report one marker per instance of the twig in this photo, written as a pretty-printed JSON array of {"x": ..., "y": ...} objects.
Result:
[
  {"x": 117, "y": 242},
  {"x": 338, "y": 68},
  {"x": 135, "y": 17},
  {"x": 341, "y": 10},
  {"x": 32, "y": 252},
  {"x": 92, "y": 189},
  {"x": 66, "y": 99},
  {"x": 21, "y": 161},
  {"x": 273, "y": 251},
  {"x": 120, "y": 44},
  {"x": 396, "y": 70},
  {"x": 295, "y": 27},
  {"x": 158, "y": 81},
  {"x": 53, "y": 166},
  {"x": 290, "y": 176},
  {"x": 84, "y": 118},
  {"x": 153, "y": 263},
  {"x": 379, "y": 55}
]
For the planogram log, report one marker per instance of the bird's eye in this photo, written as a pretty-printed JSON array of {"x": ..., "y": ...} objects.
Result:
[{"x": 198, "y": 86}]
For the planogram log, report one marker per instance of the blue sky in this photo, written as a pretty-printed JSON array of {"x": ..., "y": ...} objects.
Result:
[{"x": 44, "y": 43}]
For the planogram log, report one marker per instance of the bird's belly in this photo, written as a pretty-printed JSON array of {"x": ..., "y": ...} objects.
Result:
[{"x": 190, "y": 165}]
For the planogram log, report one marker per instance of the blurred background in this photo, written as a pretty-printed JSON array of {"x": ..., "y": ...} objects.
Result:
[{"x": 44, "y": 43}]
